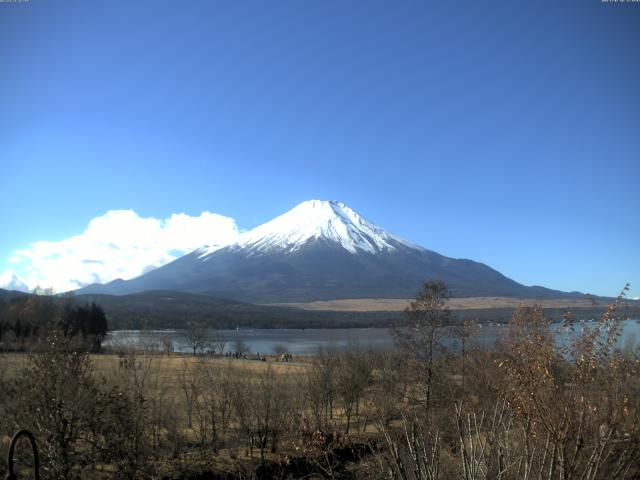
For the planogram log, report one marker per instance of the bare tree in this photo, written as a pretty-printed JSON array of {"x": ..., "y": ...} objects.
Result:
[
  {"x": 261, "y": 405},
  {"x": 418, "y": 336},
  {"x": 574, "y": 403},
  {"x": 190, "y": 388},
  {"x": 353, "y": 377},
  {"x": 148, "y": 342},
  {"x": 321, "y": 386},
  {"x": 138, "y": 379},
  {"x": 389, "y": 388},
  {"x": 160, "y": 402},
  {"x": 167, "y": 344},
  {"x": 240, "y": 347},
  {"x": 195, "y": 336},
  {"x": 59, "y": 393},
  {"x": 218, "y": 342},
  {"x": 213, "y": 404}
]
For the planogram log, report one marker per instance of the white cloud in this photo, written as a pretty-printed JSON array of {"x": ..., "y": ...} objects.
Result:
[{"x": 118, "y": 244}]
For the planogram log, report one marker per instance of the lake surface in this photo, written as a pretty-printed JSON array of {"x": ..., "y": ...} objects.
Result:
[{"x": 308, "y": 341}]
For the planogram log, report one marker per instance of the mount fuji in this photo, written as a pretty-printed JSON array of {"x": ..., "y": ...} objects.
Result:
[{"x": 320, "y": 250}]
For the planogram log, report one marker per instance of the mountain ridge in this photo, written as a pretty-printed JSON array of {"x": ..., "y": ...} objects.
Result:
[{"x": 321, "y": 250}]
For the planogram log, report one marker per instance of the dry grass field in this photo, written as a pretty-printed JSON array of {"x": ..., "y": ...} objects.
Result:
[
  {"x": 164, "y": 379},
  {"x": 172, "y": 366},
  {"x": 178, "y": 416},
  {"x": 399, "y": 304}
]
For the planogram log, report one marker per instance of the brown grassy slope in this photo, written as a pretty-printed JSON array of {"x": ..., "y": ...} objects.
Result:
[{"x": 399, "y": 304}]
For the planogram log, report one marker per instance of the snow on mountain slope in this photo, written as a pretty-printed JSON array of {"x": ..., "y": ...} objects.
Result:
[
  {"x": 314, "y": 220},
  {"x": 320, "y": 250}
]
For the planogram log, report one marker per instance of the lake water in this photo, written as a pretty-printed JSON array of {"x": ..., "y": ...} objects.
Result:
[{"x": 305, "y": 342}]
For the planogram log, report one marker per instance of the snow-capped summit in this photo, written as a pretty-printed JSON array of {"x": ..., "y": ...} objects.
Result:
[
  {"x": 314, "y": 220},
  {"x": 320, "y": 220}
]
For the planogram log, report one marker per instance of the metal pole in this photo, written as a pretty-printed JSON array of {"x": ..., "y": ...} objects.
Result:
[{"x": 34, "y": 450}]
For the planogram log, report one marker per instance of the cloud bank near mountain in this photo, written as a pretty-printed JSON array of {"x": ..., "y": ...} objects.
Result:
[{"x": 118, "y": 244}]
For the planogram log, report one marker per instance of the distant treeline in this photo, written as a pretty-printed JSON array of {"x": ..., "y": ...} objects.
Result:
[
  {"x": 25, "y": 320},
  {"x": 164, "y": 309},
  {"x": 161, "y": 310}
]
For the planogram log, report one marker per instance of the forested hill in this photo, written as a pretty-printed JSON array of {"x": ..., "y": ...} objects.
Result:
[
  {"x": 6, "y": 295},
  {"x": 166, "y": 309}
]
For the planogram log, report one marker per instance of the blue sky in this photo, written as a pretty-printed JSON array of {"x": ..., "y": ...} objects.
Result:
[{"x": 506, "y": 132}]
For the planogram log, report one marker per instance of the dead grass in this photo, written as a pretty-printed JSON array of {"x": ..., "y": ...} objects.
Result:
[
  {"x": 399, "y": 304},
  {"x": 168, "y": 370},
  {"x": 172, "y": 365}
]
